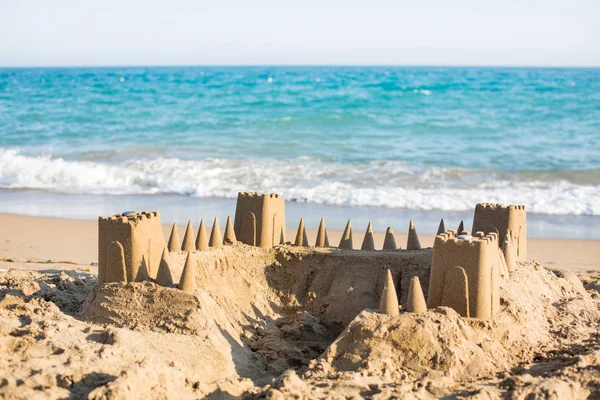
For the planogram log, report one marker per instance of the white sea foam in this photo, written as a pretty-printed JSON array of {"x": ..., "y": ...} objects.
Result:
[{"x": 380, "y": 183}]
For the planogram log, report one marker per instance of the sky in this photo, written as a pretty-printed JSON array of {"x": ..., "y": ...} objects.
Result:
[{"x": 307, "y": 32}]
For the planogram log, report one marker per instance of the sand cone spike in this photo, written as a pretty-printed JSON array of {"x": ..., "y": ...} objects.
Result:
[
  {"x": 416, "y": 300},
  {"x": 174, "y": 243},
  {"x": 215, "y": 235},
  {"x": 301, "y": 239},
  {"x": 509, "y": 253},
  {"x": 187, "y": 282},
  {"x": 346, "y": 241},
  {"x": 389, "y": 243},
  {"x": 441, "y": 227},
  {"x": 188, "y": 238},
  {"x": 143, "y": 273},
  {"x": 229, "y": 237},
  {"x": 413, "y": 239},
  {"x": 461, "y": 228},
  {"x": 164, "y": 277},
  {"x": 368, "y": 242},
  {"x": 389, "y": 298},
  {"x": 202, "y": 237},
  {"x": 322, "y": 239}
]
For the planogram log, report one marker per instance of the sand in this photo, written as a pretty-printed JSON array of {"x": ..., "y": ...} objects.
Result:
[{"x": 286, "y": 323}]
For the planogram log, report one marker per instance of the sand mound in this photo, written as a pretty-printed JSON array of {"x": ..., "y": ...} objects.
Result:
[{"x": 265, "y": 322}]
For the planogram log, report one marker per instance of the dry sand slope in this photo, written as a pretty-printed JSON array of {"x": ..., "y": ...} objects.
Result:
[{"x": 287, "y": 322}]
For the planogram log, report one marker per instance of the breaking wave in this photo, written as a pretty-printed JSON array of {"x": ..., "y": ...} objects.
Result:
[{"x": 376, "y": 183}]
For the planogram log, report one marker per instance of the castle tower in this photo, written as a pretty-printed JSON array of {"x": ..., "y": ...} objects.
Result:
[
  {"x": 260, "y": 219},
  {"x": 498, "y": 218},
  {"x": 465, "y": 275},
  {"x": 141, "y": 236}
]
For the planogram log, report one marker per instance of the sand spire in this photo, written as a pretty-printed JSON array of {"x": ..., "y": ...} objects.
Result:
[
  {"x": 413, "y": 240},
  {"x": 215, "y": 235},
  {"x": 461, "y": 228},
  {"x": 368, "y": 242},
  {"x": 164, "y": 276},
  {"x": 301, "y": 238},
  {"x": 187, "y": 282},
  {"x": 143, "y": 273},
  {"x": 174, "y": 244},
  {"x": 229, "y": 237},
  {"x": 416, "y": 300},
  {"x": 346, "y": 240},
  {"x": 202, "y": 237},
  {"x": 441, "y": 227},
  {"x": 322, "y": 239},
  {"x": 510, "y": 255},
  {"x": 115, "y": 263},
  {"x": 389, "y": 298},
  {"x": 389, "y": 243},
  {"x": 188, "y": 238}
]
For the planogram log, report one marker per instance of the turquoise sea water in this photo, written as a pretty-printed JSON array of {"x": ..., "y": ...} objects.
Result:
[{"x": 401, "y": 139}]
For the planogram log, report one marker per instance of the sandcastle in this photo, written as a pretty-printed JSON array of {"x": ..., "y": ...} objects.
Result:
[{"x": 464, "y": 270}]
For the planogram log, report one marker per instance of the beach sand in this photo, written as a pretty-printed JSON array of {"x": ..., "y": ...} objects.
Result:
[
  {"x": 285, "y": 323},
  {"x": 40, "y": 243}
]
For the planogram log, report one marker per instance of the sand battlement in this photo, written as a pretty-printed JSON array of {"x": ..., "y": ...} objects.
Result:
[
  {"x": 259, "y": 195},
  {"x": 129, "y": 217},
  {"x": 478, "y": 240},
  {"x": 500, "y": 206}
]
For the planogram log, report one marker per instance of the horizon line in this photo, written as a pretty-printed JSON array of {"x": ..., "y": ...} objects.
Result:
[{"x": 509, "y": 66}]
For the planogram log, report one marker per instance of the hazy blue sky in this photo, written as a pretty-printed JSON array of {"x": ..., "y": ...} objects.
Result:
[{"x": 182, "y": 32}]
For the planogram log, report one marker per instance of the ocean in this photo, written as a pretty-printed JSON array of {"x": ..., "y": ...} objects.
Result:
[{"x": 372, "y": 143}]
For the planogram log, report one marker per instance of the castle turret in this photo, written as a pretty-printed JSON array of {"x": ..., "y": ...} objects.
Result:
[
  {"x": 260, "y": 219},
  {"x": 140, "y": 234},
  {"x": 465, "y": 274},
  {"x": 500, "y": 218}
]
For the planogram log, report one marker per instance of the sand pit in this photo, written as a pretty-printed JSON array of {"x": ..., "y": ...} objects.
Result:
[{"x": 292, "y": 321}]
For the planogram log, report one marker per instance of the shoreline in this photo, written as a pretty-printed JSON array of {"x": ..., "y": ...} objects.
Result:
[
  {"x": 44, "y": 243},
  {"x": 180, "y": 208}
]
